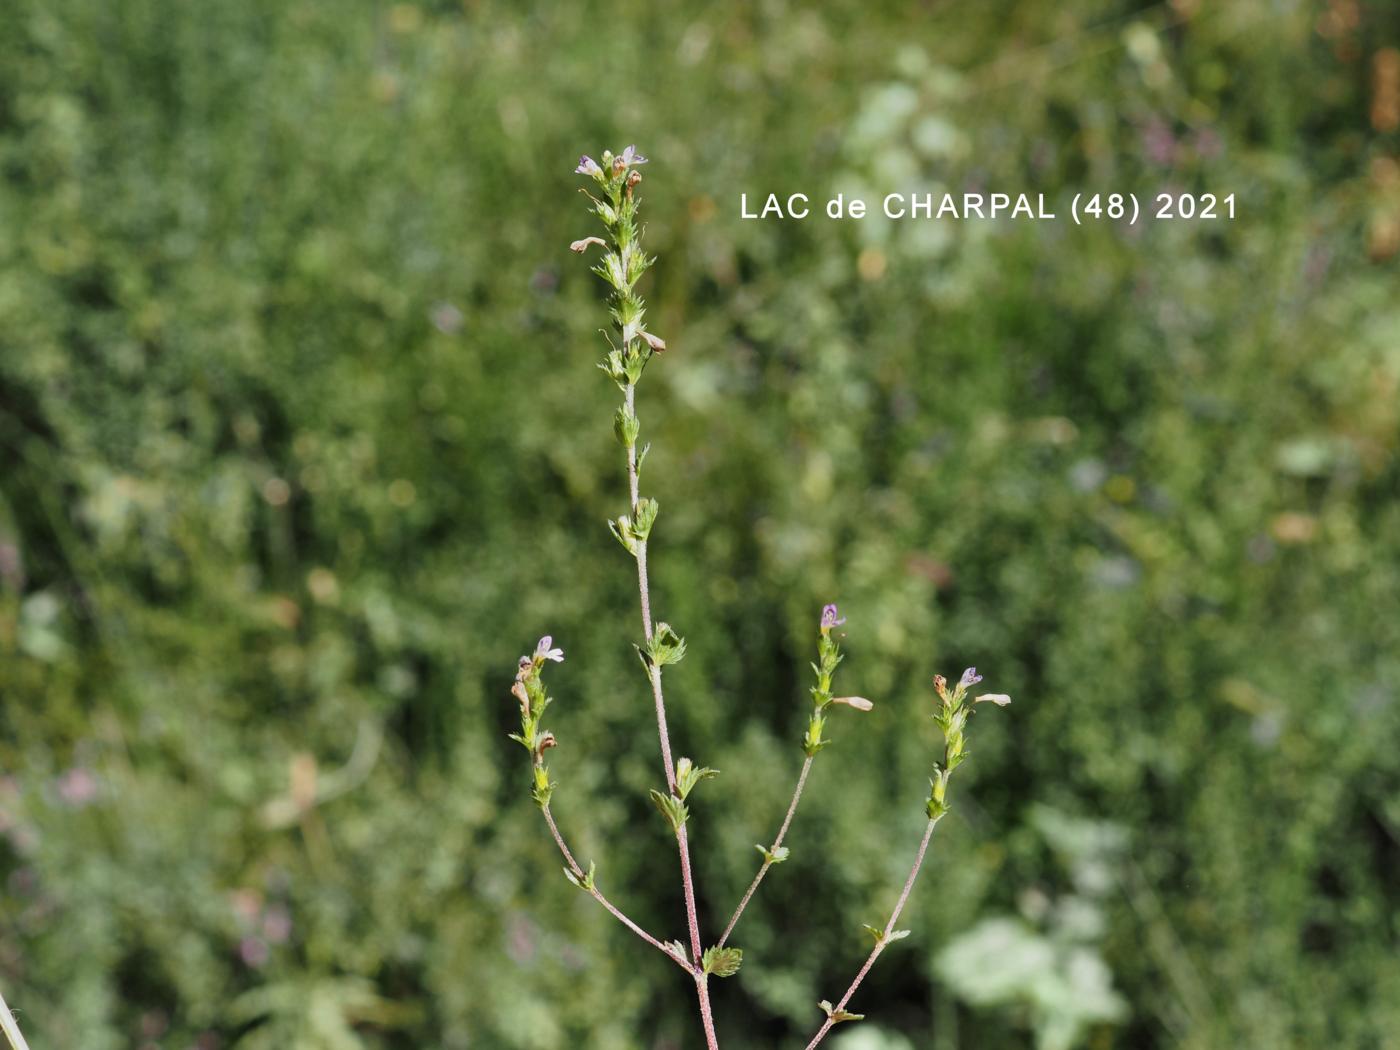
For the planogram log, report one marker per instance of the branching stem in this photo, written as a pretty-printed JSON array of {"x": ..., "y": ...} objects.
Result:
[
  {"x": 767, "y": 861},
  {"x": 597, "y": 894},
  {"x": 884, "y": 939}
]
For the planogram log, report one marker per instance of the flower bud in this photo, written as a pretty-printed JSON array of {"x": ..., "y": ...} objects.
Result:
[
  {"x": 582, "y": 246},
  {"x": 1000, "y": 699},
  {"x": 626, "y": 427}
]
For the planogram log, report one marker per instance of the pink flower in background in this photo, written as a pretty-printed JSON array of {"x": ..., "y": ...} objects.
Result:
[
  {"x": 253, "y": 951},
  {"x": 277, "y": 924},
  {"x": 77, "y": 787},
  {"x": 1159, "y": 144}
]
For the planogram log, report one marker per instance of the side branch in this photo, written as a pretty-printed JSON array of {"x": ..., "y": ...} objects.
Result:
[
  {"x": 768, "y": 857},
  {"x": 834, "y": 1015},
  {"x": 597, "y": 894}
]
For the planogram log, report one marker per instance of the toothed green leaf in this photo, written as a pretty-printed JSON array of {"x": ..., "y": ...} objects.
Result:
[
  {"x": 837, "y": 1016},
  {"x": 672, "y": 808},
  {"x": 722, "y": 962},
  {"x": 688, "y": 774},
  {"x": 773, "y": 856}
]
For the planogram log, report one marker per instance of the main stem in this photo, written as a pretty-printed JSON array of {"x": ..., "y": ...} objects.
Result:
[
  {"x": 767, "y": 863},
  {"x": 702, "y": 990},
  {"x": 884, "y": 938},
  {"x": 10, "y": 1028}
]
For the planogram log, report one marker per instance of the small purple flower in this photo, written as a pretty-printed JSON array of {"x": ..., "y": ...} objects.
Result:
[
  {"x": 831, "y": 617},
  {"x": 631, "y": 157},
  {"x": 588, "y": 166},
  {"x": 545, "y": 650},
  {"x": 970, "y": 677}
]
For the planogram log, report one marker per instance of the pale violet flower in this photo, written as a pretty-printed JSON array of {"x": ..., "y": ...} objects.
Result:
[
  {"x": 588, "y": 166},
  {"x": 628, "y": 158},
  {"x": 546, "y": 651},
  {"x": 1000, "y": 699},
  {"x": 831, "y": 617},
  {"x": 970, "y": 677},
  {"x": 860, "y": 703}
]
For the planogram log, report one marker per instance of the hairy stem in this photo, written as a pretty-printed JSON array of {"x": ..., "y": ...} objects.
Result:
[
  {"x": 682, "y": 841},
  {"x": 702, "y": 992},
  {"x": 767, "y": 863},
  {"x": 10, "y": 1028},
  {"x": 884, "y": 939},
  {"x": 597, "y": 894}
]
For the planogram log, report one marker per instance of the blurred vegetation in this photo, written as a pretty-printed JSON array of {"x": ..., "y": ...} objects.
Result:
[{"x": 303, "y": 445}]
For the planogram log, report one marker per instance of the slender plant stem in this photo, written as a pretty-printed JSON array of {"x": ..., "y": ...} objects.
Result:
[
  {"x": 644, "y": 589},
  {"x": 884, "y": 938},
  {"x": 682, "y": 841},
  {"x": 10, "y": 1028},
  {"x": 598, "y": 896},
  {"x": 763, "y": 868},
  {"x": 702, "y": 992}
]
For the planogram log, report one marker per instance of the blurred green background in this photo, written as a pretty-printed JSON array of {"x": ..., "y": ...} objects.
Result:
[{"x": 302, "y": 444}]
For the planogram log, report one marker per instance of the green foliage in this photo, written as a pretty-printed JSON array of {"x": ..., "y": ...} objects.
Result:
[
  {"x": 303, "y": 443},
  {"x": 722, "y": 962},
  {"x": 673, "y": 809},
  {"x": 1048, "y": 964},
  {"x": 665, "y": 647},
  {"x": 688, "y": 775}
]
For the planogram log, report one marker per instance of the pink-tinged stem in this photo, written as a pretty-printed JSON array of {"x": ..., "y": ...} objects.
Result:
[
  {"x": 702, "y": 993},
  {"x": 682, "y": 842},
  {"x": 884, "y": 939},
  {"x": 598, "y": 896},
  {"x": 763, "y": 868},
  {"x": 644, "y": 589}
]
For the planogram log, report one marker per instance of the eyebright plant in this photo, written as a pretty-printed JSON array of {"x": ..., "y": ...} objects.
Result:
[{"x": 631, "y": 347}]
